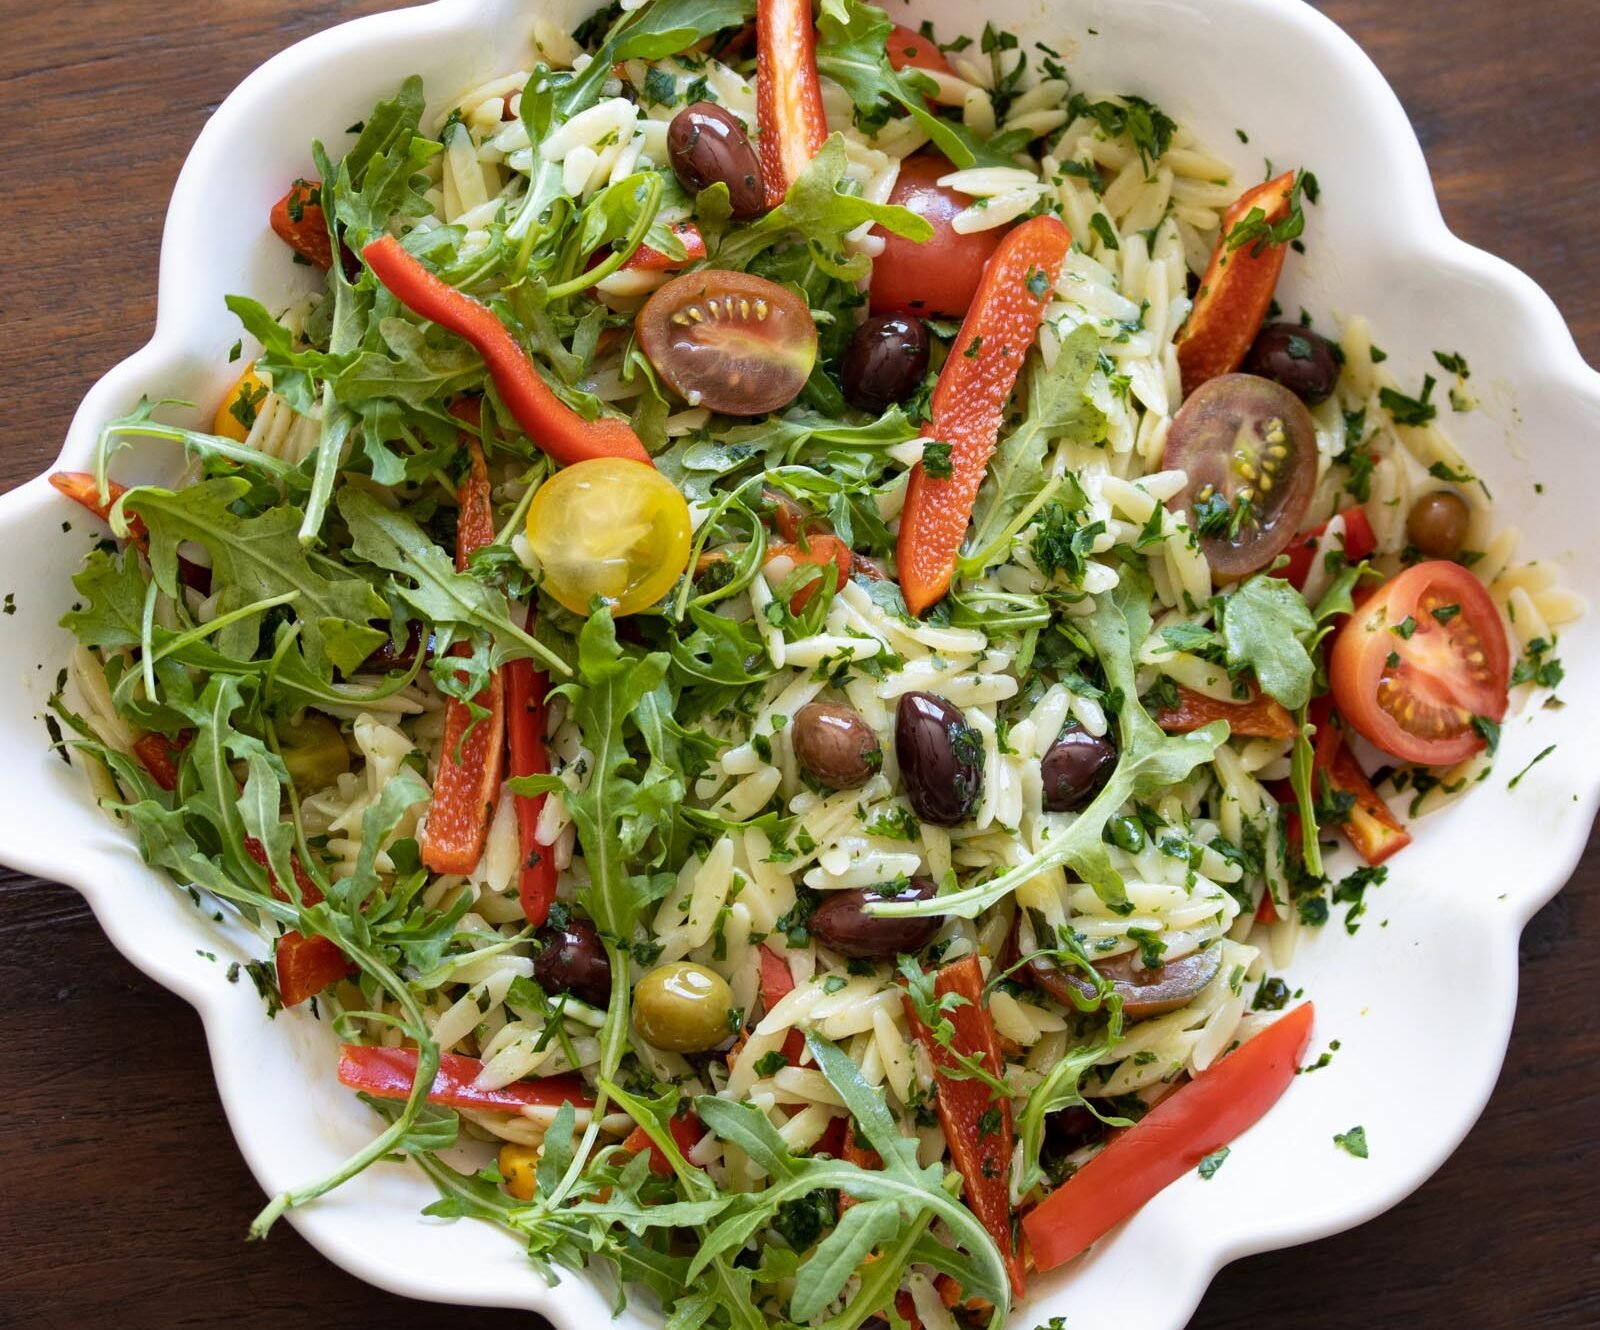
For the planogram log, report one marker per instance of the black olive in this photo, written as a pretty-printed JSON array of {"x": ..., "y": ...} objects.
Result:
[
  {"x": 1304, "y": 362},
  {"x": 843, "y": 924},
  {"x": 1075, "y": 768},
  {"x": 573, "y": 960},
  {"x": 941, "y": 758},
  {"x": 884, "y": 362},
  {"x": 706, "y": 145},
  {"x": 834, "y": 745}
]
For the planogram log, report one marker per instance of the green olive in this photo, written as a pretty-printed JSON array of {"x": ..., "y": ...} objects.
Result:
[
  {"x": 314, "y": 751},
  {"x": 683, "y": 1007}
]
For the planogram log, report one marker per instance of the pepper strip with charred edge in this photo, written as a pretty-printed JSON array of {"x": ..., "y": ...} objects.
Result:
[
  {"x": 298, "y": 220},
  {"x": 969, "y": 403},
  {"x": 1195, "y": 1120},
  {"x": 1236, "y": 290},
  {"x": 543, "y": 416},
  {"x": 80, "y": 487},
  {"x": 471, "y": 755},
  {"x": 788, "y": 94},
  {"x": 525, "y": 725},
  {"x": 1373, "y": 831},
  {"x": 979, "y": 1146},
  {"x": 1261, "y": 717},
  {"x": 387, "y": 1073}
]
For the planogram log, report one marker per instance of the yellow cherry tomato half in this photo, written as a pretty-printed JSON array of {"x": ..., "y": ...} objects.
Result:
[
  {"x": 611, "y": 528},
  {"x": 239, "y": 406}
]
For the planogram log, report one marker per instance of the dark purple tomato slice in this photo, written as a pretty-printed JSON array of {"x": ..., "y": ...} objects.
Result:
[
  {"x": 738, "y": 344},
  {"x": 1250, "y": 450}
]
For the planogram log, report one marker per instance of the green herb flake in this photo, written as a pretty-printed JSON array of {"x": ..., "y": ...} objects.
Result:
[{"x": 1353, "y": 1141}]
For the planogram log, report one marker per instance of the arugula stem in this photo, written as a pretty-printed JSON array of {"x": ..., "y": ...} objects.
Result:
[{"x": 635, "y": 237}]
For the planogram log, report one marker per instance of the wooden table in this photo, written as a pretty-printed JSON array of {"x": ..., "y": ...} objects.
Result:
[{"x": 123, "y": 1201}]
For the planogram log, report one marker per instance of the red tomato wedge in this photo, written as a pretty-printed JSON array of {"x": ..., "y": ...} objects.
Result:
[
  {"x": 159, "y": 756},
  {"x": 1359, "y": 542},
  {"x": 820, "y": 550},
  {"x": 387, "y": 1073},
  {"x": 1260, "y": 718},
  {"x": 298, "y": 220},
  {"x": 543, "y": 417},
  {"x": 909, "y": 49},
  {"x": 982, "y": 1155},
  {"x": 938, "y": 276},
  {"x": 788, "y": 94},
  {"x": 471, "y": 756},
  {"x": 1236, "y": 290},
  {"x": 1419, "y": 662},
  {"x": 686, "y": 1133},
  {"x": 1180, "y": 1131},
  {"x": 969, "y": 403}
]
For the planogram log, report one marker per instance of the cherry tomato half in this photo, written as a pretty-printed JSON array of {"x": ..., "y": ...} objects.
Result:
[
  {"x": 738, "y": 344},
  {"x": 939, "y": 276},
  {"x": 1250, "y": 449},
  {"x": 1419, "y": 661},
  {"x": 909, "y": 49},
  {"x": 239, "y": 406},
  {"x": 609, "y": 527}
]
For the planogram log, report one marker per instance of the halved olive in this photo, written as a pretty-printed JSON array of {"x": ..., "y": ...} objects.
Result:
[
  {"x": 1250, "y": 450},
  {"x": 738, "y": 344},
  {"x": 1144, "y": 993}
]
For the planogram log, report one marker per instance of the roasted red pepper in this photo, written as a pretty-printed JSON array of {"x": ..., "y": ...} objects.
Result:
[
  {"x": 543, "y": 416},
  {"x": 159, "y": 756},
  {"x": 1192, "y": 1122},
  {"x": 686, "y": 1133},
  {"x": 777, "y": 982},
  {"x": 306, "y": 965},
  {"x": 646, "y": 259},
  {"x": 976, "y": 1121},
  {"x": 1236, "y": 290},
  {"x": 525, "y": 725},
  {"x": 1359, "y": 542},
  {"x": 387, "y": 1073},
  {"x": 788, "y": 94},
  {"x": 471, "y": 755},
  {"x": 300, "y": 223},
  {"x": 819, "y": 550},
  {"x": 1373, "y": 831},
  {"x": 969, "y": 403},
  {"x": 1261, "y": 717}
]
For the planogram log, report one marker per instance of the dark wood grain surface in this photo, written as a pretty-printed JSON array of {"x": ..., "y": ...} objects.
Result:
[{"x": 123, "y": 1200}]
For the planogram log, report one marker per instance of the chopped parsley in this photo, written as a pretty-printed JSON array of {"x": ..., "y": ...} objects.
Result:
[
  {"x": 936, "y": 461},
  {"x": 1353, "y": 1141},
  {"x": 1213, "y": 1161},
  {"x": 1410, "y": 411}
]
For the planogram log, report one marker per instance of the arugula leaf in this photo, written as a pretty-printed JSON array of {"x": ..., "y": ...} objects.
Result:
[
  {"x": 1016, "y": 488},
  {"x": 112, "y": 590},
  {"x": 252, "y": 559},
  {"x": 670, "y": 26},
  {"x": 1263, "y": 621}
]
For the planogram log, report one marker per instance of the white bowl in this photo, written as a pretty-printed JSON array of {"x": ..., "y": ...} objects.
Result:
[{"x": 1421, "y": 1000}]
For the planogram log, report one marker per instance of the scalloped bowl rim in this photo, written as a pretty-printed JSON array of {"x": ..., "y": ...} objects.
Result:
[{"x": 99, "y": 865}]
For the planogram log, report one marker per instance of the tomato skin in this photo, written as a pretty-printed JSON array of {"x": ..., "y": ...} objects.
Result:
[
  {"x": 909, "y": 49},
  {"x": 819, "y": 550},
  {"x": 1432, "y": 674},
  {"x": 939, "y": 276},
  {"x": 1359, "y": 542}
]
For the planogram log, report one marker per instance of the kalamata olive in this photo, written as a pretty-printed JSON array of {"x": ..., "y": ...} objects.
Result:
[
  {"x": 1144, "y": 993},
  {"x": 683, "y": 1007},
  {"x": 843, "y": 924},
  {"x": 706, "y": 144},
  {"x": 1249, "y": 447},
  {"x": 573, "y": 960},
  {"x": 884, "y": 362},
  {"x": 834, "y": 745},
  {"x": 1301, "y": 360},
  {"x": 1437, "y": 523},
  {"x": 1075, "y": 768},
  {"x": 941, "y": 758}
]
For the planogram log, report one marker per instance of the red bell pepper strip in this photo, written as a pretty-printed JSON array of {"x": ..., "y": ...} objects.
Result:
[
  {"x": 788, "y": 94},
  {"x": 543, "y": 416},
  {"x": 525, "y": 723},
  {"x": 468, "y": 780},
  {"x": 1359, "y": 542},
  {"x": 777, "y": 982},
  {"x": 80, "y": 487},
  {"x": 647, "y": 259},
  {"x": 300, "y": 223},
  {"x": 979, "y": 1147},
  {"x": 969, "y": 403},
  {"x": 1373, "y": 831},
  {"x": 306, "y": 965},
  {"x": 159, "y": 756},
  {"x": 686, "y": 1133},
  {"x": 1259, "y": 718},
  {"x": 909, "y": 49},
  {"x": 820, "y": 550},
  {"x": 387, "y": 1073},
  {"x": 1236, "y": 290},
  {"x": 1192, "y": 1122}
]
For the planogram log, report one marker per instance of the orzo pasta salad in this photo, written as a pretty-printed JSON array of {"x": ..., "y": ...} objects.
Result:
[{"x": 780, "y": 644}]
